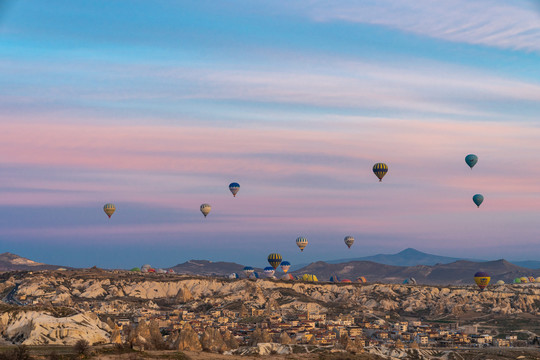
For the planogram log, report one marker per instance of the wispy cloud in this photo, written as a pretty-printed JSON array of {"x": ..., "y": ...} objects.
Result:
[{"x": 495, "y": 23}]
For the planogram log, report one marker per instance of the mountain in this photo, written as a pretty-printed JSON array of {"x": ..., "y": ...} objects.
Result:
[
  {"x": 458, "y": 272},
  {"x": 412, "y": 257},
  {"x": 407, "y": 257},
  {"x": 12, "y": 262},
  {"x": 205, "y": 267}
]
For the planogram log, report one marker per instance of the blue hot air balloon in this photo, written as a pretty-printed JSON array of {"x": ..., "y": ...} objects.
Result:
[
  {"x": 478, "y": 199},
  {"x": 471, "y": 160},
  {"x": 269, "y": 271},
  {"x": 234, "y": 187},
  {"x": 285, "y": 266},
  {"x": 248, "y": 270}
]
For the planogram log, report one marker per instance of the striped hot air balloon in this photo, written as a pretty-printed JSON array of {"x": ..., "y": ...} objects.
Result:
[
  {"x": 274, "y": 260},
  {"x": 301, "y": 242},
  {"x": 380, "y": 169},
  {"x": 285, "y": 266},
  {"x": 109, "y": 209}
]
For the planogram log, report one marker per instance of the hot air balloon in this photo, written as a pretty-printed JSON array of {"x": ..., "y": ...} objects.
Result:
[
  {"x": 380, "y": 169},
  {"x": 135, "y": 269},
  {"x": 478, "y": 199},
  {"x": 500, "y": 282},
  {"x": 309, "y": 277},
  {"x": 287, "y": 277},
  {"x": 349, "y": 240},
  {"x": 471, "y": 160},
  {"x": 205, "y": 209},
  {"x": 248, "y": 270},
  {"x": 409, "y": 281},
  {"x": 481, "y": 279},
  {"x": 285, "y": 266},
  {"x": 269, "y": 271},
  {"x": 274, "y": 260},
  {"x": 109, "y": 209},
  {"x": 170, "y": 271},
  {"x": 301, "y": 242},
  {"x": 234, "y": 187},
  {"x": 255, "y": 275},
  {"x": 517, "y": 281},
  {"x": 334, "y": 278},
  {"x": 234, "y": 276},
  {"x": 145, "y": 267},
  {"x": 524, "y": 280},
  {"x": 362, "y": 280},
  {"x": 538, "y": 279},
  {"x": 346, "y": 281}
]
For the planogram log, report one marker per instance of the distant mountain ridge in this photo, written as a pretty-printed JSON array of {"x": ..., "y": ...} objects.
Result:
[
  {"x": 13, "y": 262},
  {"x": 413, "y": 257},
  {"x": 458, "y": 272}
]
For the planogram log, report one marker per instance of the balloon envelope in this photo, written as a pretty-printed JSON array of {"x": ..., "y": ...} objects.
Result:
[
  {"x": 274, "y": 260},
  {"x": 269, "y": 271},
  {"x": 362, "y": 280},
  {"x": 478, "y": 199},
  {"x": 301, "y": 242},
  {"x": 285, "y": 266},
  {"x": 380, "y": 169},
  {"x": 248, "y": 270},
  {"x": 482, "y": 279},
  {"x": 109, "y": 209},
  {"x": 234, "y": 187},
  {"x": 349, "y": 240},
  {"x": 309, "y": 277},
  {"x": 471, "y": 160},
  {"x": 205, "y": 209}
]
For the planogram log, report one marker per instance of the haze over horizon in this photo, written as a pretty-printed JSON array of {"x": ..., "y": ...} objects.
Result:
[{"x": 157, "y": 107}]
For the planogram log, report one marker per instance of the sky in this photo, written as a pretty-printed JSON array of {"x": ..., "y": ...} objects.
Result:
[{"x": 156, "y": 106}]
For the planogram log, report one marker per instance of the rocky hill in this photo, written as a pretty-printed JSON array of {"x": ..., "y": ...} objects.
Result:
[
  {"x": 62, "y": 307},
  {"x": 12, "y": 262}
]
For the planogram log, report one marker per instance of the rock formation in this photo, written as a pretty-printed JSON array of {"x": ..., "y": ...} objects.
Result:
[
  {"x": 230, "y": 340},
  {"x": 213, "y": 341},
  {"x": 188, "y": 339}
]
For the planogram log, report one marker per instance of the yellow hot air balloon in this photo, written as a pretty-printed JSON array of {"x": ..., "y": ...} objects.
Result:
[
  {"x": 301, "y": 242},
  {"x": 205, "y": 209},
  {"x": 309, "y": 277},
  {"x": 380, "y": 169},
  {"x": 109, "y": 209},
  {"x": 481, "y": 279}
]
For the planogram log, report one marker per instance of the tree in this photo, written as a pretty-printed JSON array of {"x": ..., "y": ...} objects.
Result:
[{"x": 82, "y": 347}]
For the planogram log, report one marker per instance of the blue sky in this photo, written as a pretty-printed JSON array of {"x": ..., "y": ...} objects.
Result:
[{"x": 158, "y": 106}]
